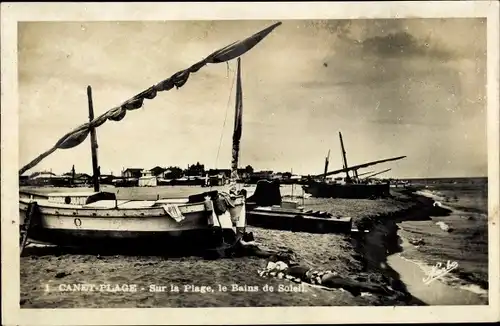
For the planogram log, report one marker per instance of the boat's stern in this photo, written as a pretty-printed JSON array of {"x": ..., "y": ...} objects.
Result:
[
  {"x": 238, "y": 214},
  {"x": 226, "y": 211}
]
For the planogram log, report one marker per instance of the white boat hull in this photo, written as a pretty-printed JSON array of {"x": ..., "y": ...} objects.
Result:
[{"x": 115, "y": 221}]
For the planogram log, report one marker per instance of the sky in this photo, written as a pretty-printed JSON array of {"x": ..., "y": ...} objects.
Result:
[{"x": 414, "y": 87}]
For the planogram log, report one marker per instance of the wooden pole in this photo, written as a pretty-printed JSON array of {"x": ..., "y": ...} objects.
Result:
[
  {"x": 73, "y": 176},
  {"x": 327, "y": 160},
  {"x": 344, "y": 158},
  {"x": 93, "y": 142},
  {"x": 237, "y": 130}
]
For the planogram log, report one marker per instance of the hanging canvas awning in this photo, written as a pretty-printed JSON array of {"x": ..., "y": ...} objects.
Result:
[{"x": 78, "y": 135}]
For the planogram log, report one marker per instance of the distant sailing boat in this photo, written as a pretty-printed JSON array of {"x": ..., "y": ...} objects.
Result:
[
  {"x": 352, "y": 186},
  {"x": 94, "y": 218}
]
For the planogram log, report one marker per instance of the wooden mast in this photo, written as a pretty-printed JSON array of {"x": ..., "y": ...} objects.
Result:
[
  {"x": 344, "y": 158},
  {"x": 327, "y": 160},
  {"x": 73, "y": 174},
  {"x": 237, "y": 126},
  {"x": 93, "y": 142}
]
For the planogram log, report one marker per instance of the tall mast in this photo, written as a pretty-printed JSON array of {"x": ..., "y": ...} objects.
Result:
[
  {"x": 327, "y": 160},
  {"x": 93, "y": 142},
  {"x": 238, "y": 115},
  {"x": 73, "y": 175},
  {"x": 344, "y": 158}
]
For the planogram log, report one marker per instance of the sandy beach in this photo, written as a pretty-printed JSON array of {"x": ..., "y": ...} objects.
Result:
[{"x": 382, "y": 256}]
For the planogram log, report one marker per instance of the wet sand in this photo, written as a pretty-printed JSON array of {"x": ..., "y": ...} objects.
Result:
[
  {"x": 465, "y": 212},
  {"x": 466, "y": 244},
  {"x": 437, "y": 292}
]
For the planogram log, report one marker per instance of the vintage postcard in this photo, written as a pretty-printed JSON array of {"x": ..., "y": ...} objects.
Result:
[{"x": 249, "y": 163}]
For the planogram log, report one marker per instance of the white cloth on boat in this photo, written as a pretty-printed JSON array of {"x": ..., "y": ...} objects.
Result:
[
  {"x": 240, "y": 218},
  {"x": 212, "y": 218},
  {"x": 225, "y": 220},
  {"x": 174, "y": 212},
  {"x": 227, "y": 199}
]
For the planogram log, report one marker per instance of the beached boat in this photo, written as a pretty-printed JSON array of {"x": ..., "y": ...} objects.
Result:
[
  {"x": 352, "y": 186},
  {"x": 89, "y": 219},
  {"x": 267, "y": 209},
  {"x": 347, "y": 190},
  {"x": 97, "y": 218}
]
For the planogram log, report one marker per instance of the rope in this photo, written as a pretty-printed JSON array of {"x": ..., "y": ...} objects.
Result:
[{"x": 225, "y": 119}]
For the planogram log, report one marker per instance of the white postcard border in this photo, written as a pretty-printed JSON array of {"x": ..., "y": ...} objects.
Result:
[{"x": 11, "y": 13}]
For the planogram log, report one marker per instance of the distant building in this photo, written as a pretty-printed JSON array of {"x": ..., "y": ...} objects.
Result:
[
  {"x": 132, "y": 173},
  {"x": 45, "y": 178},
  {"x": 146, "y": 173},
  {"x": 80, "y": 178},
  {"x": 148, "y": 181},
  {"x": 83, "y": 178},
  {"x": 262, "y": 174},
  {"x": 42, "y": 174},
  {"x": 106, "y": 179},
  {"x": 216, "y": 180},
  {"x": 259, "y": 175},
  {"x": 158, "y": 171},
  {"x": 222, "y": 172},
  {"x": 149, "y": 178}
]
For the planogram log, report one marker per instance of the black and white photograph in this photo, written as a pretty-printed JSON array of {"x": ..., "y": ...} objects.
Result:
[{"x": 319, "y": 159}]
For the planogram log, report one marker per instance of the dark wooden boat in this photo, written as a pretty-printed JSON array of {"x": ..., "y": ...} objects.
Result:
[
  {"x": 353, "y": 190},
  {"x": 266, "y": 209},
  {"x": 352, "y": 186}
]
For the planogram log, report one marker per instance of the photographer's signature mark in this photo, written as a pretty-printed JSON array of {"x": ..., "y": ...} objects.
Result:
[{"x": 440, "y": 270}]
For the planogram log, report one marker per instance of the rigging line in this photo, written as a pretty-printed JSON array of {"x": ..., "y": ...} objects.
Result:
[{"x": 225, "y": 119}]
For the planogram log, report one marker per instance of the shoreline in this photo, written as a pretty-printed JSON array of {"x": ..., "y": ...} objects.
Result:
[
  {"x": 465, "y": 279},
  {"x": 386, "y": 235}
]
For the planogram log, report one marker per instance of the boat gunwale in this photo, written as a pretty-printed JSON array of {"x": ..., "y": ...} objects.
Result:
[
  {"x": 161, "y": 214},
  {"x": 45, "y": 203}
]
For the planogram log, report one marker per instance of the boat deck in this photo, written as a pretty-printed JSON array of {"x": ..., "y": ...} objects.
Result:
[{"x": 297, "y": 220}]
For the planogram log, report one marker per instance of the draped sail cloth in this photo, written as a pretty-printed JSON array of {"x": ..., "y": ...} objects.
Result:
[
  {"x": 78, "y": 135},
  {"x": 237, "y": 125}
]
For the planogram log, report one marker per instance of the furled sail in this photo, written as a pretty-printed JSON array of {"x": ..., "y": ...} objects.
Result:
[
  {"x": 79, "y": 134},
  {"x": 238, "y": 115}
]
